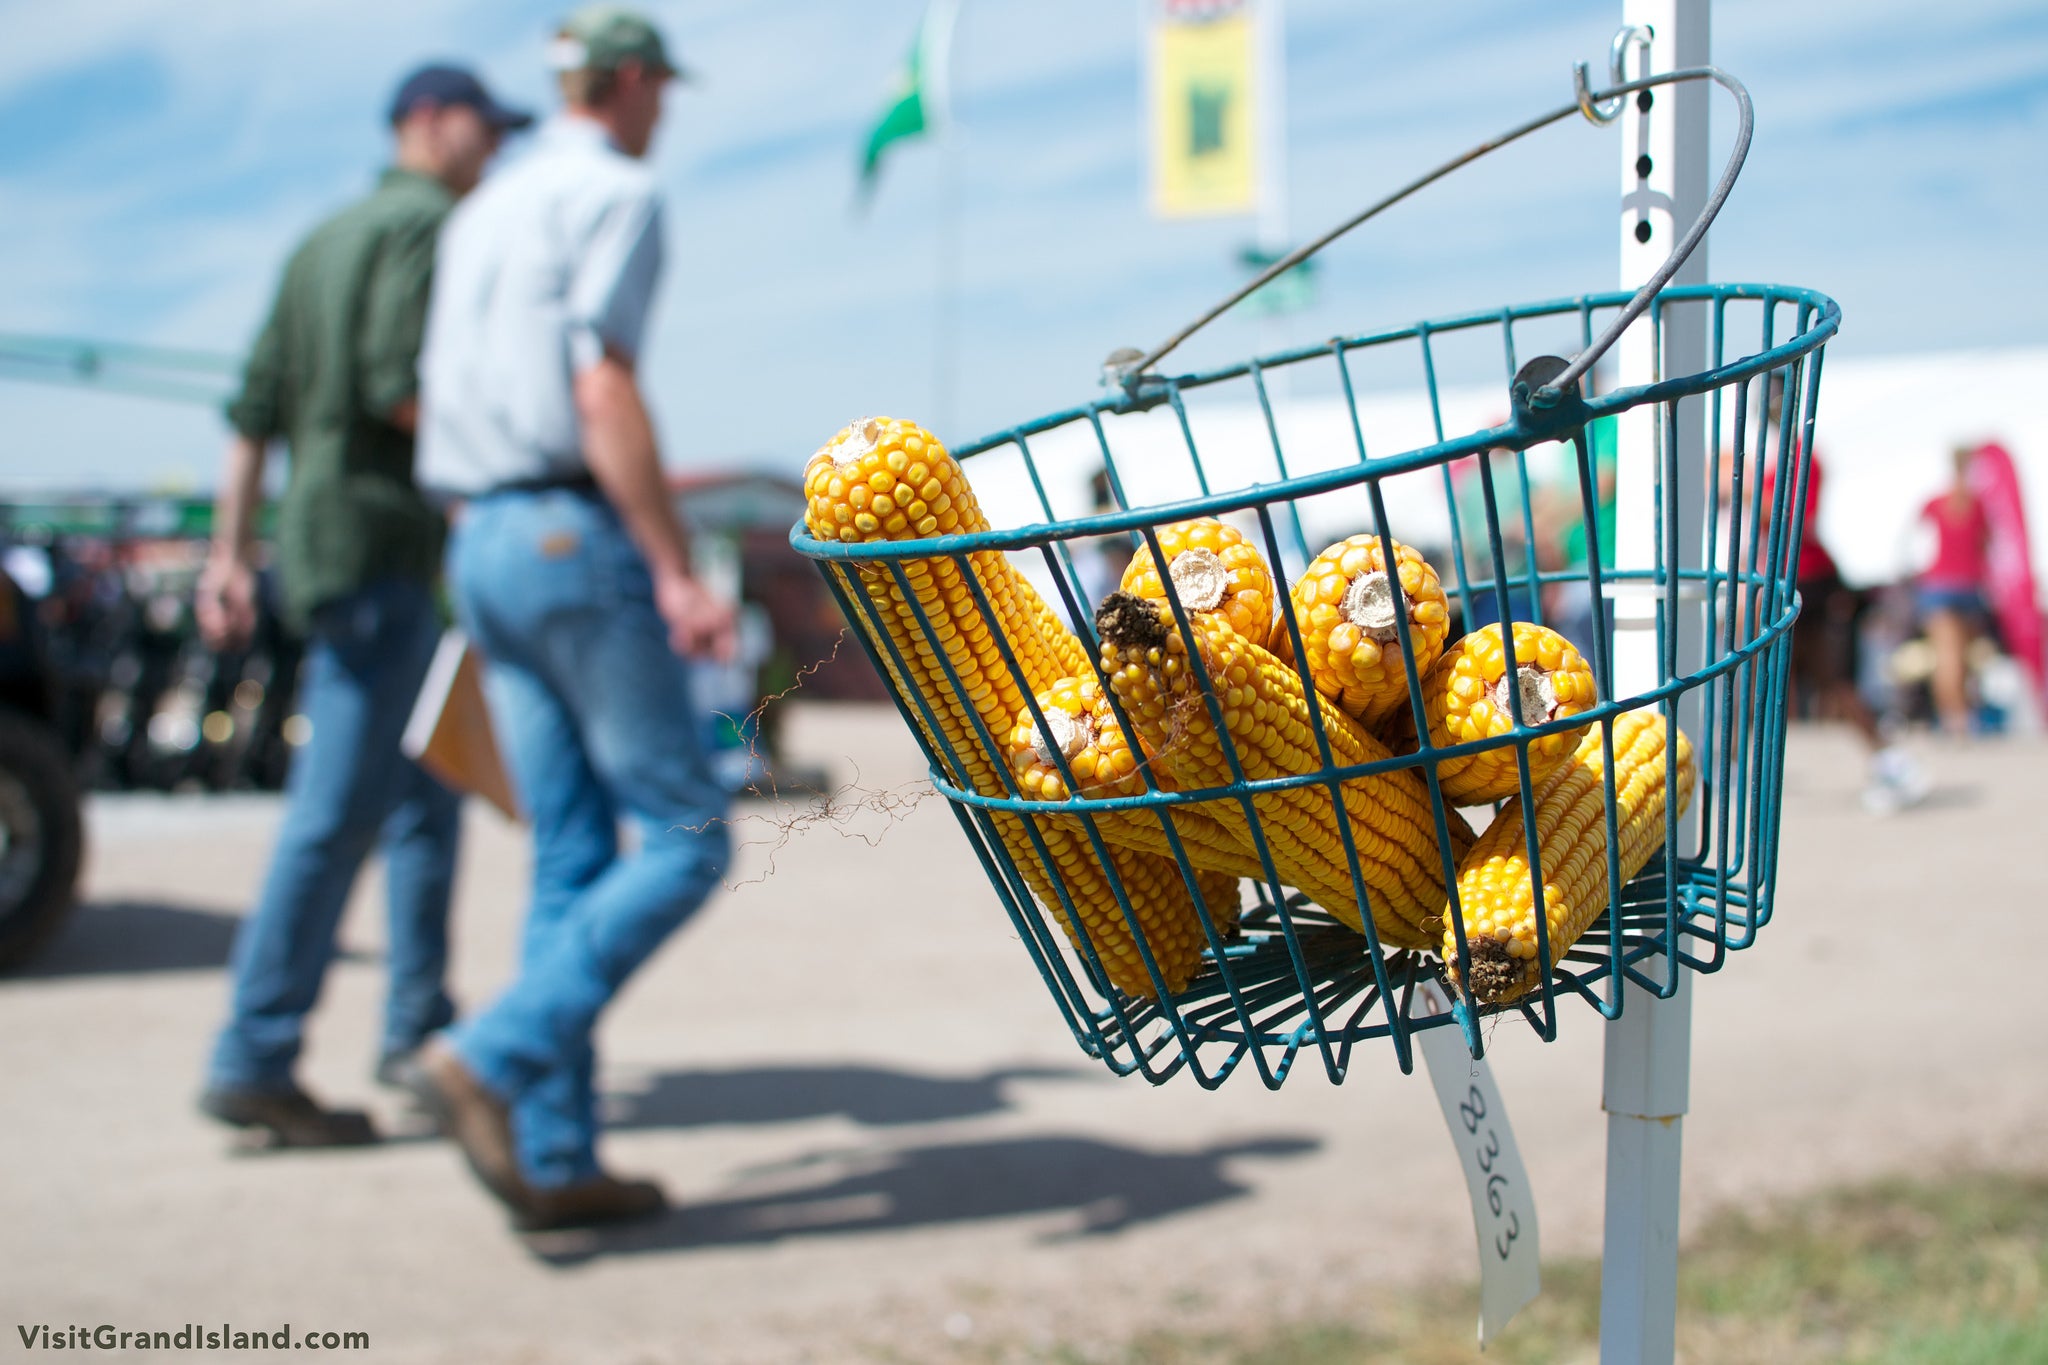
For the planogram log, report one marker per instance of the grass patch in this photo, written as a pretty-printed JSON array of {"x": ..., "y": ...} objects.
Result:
[{"x": 1901, "y": 1272}]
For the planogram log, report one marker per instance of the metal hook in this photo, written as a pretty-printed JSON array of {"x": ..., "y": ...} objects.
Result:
[{"x": 1629, "y": 35}]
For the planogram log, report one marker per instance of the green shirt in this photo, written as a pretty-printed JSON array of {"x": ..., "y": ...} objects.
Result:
[{"x": 337, "y": 354}]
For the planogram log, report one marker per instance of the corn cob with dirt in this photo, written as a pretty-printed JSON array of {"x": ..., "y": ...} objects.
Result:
[
  {"x": 1496, "y": 895},
  {"x": 1265, "y": 714},
  {"x": 1466, "y": 697},
  {"x": 882, "y": 479},
  {"x": 1212, "y": 568},
  {"x": 1351, "y": 628},
  {"x": 1085, "y": 732}
]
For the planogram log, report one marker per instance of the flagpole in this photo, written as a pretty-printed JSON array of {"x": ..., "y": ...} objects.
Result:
[
  {"x": 1270, "y": 20},
  {"x": 946, "y": 335},
  {"x": 946, "y": 330}
]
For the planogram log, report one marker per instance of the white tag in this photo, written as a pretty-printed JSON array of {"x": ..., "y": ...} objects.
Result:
[{"x": 1503, "y": 1205}]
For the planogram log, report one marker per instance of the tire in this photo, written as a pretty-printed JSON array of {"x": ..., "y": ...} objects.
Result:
[{"x": 42, "y": 836}]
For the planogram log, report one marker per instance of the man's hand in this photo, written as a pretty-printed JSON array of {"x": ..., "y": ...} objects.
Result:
[
  {"x": 226, "y": 605},
  {"x": 699, "y": 625}
]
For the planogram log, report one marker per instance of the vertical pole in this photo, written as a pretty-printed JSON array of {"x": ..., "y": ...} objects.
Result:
[
  {"x": 936, "y": 58},
  {"x": 1269, "y": 72},
  {"x": 1269, "y": 65},
  {"x": 946, "y": 335},
  {"x": 1648, "y": 1049}
]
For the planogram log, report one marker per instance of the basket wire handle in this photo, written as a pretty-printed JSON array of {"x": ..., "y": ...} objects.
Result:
[{"x": 1129, "y": 368}]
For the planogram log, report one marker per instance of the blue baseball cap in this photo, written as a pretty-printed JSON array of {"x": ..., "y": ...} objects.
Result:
[{"x": 442, "y": 85}]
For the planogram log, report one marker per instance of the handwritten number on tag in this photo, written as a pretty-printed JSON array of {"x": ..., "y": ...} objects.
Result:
[
  {"x": 1473, "y": 1110},
  {"x": 1477, "y": 1119},
  {"x": 1473, "y": 1113}
]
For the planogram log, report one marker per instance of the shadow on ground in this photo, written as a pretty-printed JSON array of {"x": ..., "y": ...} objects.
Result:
[
  {"x": 1104, "y": 1186},
  {"x": 118, "y": 937},
  {"x": 1952, "y": 797},
  {"x": 874, "y": 1096}
]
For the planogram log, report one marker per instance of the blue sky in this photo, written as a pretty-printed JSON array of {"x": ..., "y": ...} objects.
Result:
[{"x": 158, "y": 160}]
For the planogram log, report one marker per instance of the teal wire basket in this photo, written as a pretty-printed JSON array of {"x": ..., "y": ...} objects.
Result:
[{"x": 1719, "y": 597}]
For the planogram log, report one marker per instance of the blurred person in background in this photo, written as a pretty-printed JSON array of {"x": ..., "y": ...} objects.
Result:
[
  {"x": 1950, "y": 591},
  {"x": 333, "y": 374},
  {"x": 1824, "y": 635},
  {"x": 571, "y": 572}
]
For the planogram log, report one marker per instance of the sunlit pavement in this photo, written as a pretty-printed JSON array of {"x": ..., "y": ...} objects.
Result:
[{"x": 879, "y": 1134}]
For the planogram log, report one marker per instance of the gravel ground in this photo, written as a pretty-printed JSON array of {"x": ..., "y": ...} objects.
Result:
[{"x": 883, "y": 1142}]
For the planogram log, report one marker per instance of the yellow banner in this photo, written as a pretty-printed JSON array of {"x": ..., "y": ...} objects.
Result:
[{"x": 1203, "y": 92}]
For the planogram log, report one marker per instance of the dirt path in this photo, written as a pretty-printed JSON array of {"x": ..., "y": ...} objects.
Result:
[{"x": 881, "y": 1136}]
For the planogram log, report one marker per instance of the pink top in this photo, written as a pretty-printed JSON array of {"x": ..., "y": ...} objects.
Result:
[
  {"x": 1960, "y": 540},
  {"x": 1814, "y": 560}
]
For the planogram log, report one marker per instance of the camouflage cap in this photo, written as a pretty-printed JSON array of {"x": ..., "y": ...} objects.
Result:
[{"x": 605, "y": 37}]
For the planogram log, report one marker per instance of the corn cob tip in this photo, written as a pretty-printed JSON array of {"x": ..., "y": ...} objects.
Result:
[
  {"x": 854, "y": 441},
  {"x": 1496, "y": 973},
  {"x": 1199, "y": 578},
  {"x": 1369, "y": 605},
  {"x": 1538, "y": 694},
  {"x": 1070, "y": 735},
  {"x": 1125, "y": 619}
]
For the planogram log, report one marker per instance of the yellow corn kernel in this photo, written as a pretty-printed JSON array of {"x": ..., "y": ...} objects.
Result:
[
  {"x": 1213, "y": 568},
  {"x": 1496, "y": 895},
  {"x": 1466, "y": 698},
  {"x": 1344, "y": 605},
  {"x": 1265, "y": 715}
]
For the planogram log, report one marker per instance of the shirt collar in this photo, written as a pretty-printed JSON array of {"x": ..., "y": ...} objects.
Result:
[
  {"x": 567, "y": 130},
  {"x": 401, "y": 178}
]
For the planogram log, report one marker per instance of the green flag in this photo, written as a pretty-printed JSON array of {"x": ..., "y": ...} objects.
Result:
[{"x": 918, "y": 97}]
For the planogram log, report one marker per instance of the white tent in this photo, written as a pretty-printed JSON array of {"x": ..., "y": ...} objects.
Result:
[{"x": 1886, "y": 428}]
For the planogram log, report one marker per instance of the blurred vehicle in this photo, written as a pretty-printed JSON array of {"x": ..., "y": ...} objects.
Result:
[
  {"x": 42, "y": 830},
  {"x": 138, "y": 699},
  {"x": 138, "y": 702}
]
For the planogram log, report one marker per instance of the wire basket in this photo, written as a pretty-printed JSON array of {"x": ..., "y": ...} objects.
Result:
[{"x": 1714, "y": 604}]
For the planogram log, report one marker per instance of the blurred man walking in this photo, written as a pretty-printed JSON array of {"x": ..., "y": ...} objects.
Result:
[
  {"x": 333, "y": 374},
  {"x": 571, "y": 572}
]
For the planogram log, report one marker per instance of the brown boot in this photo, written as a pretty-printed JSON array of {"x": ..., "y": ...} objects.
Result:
[
  {"x": 588, "y": 1203},
  {"x": 289, "y": 1118},
  {"x": 472, "y": 1117}
]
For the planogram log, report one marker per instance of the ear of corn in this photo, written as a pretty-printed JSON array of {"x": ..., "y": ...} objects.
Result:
[
  {"x": 1213, "y": 568},
  {"x": 1350, "y": 630},
  {"x": 1466, "y": 698},
  {"x": 1265, "y": 714},
  {"x": 1064, "y": 650},
  {"x": 1496, "y": 896},
  {"x": 882, "y": 479},
  {"x": 1103, "y": 763}
]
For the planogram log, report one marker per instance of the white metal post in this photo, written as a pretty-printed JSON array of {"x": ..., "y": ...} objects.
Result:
[{"x": 1648, "y": 1050}]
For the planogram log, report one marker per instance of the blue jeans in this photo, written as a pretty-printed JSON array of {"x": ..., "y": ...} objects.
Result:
[
  {"x": 593, "y": 712},
  {"x": 350, "y": 789}
]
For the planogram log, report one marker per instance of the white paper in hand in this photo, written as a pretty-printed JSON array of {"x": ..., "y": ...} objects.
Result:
[{"x": 1503, "y": 1205}]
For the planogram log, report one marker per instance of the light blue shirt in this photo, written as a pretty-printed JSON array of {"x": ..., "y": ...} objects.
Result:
[{"x": 547, "y": 266}]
